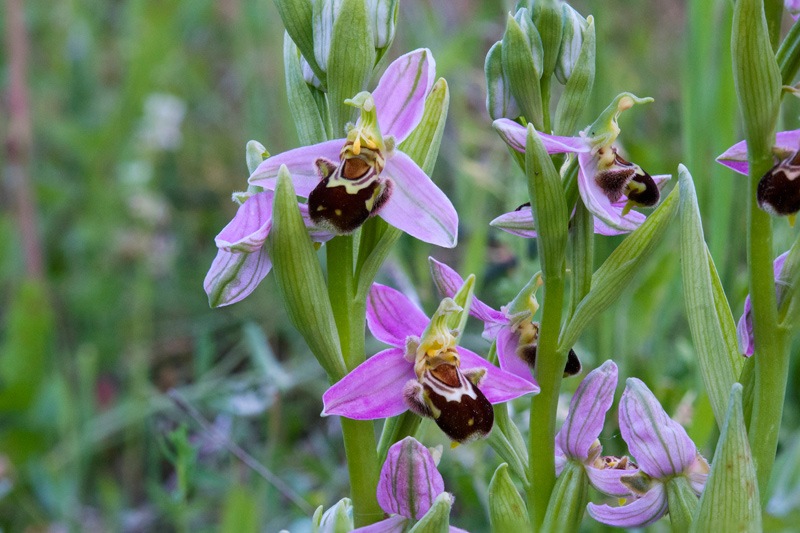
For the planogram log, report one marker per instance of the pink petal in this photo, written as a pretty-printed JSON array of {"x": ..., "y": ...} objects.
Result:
[
  {"x": 498, "y": 385},
  {"x": 516, "y": 135},
  {"x": 392, "y": 317},
  {"x": 607, "y": 480},
  {"x": 393, "y": 524},
  {"x": 409, "y": 481},
  {"x": 639, "y": 513},
  {"x": 507, "y": 343},
  {"x": 518, "y": 222},
  {"x": 561, "y": 461},
  {"x": 301, "y": 163},
  {"x": 744, "y": 328},
  {"x": 374, "y": 389},
  {"x": 234, "y": 275},
  {"x": 735, "y": 157},
  {"x": 587, "y": 411},
  {"x": 250, "y": 226},
  {"x": 631, "y": 221},
  {"x": 417, "y": 206},
  {"x": 449, "y": 282},
  {"x": 660, "y": 445},
  {"x": 401, "y": 92}
]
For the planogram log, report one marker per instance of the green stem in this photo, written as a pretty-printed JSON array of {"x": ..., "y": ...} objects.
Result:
[
  {"x": 549, "y": 372},
  {"x": 359, "y": 435},
  {"x": 545, "y": 90},
  {"x": 772, "y": 354}
]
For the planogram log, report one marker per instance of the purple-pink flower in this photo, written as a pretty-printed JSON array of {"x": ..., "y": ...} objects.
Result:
[
  {"x": 511, "y": 328},
  {"x": 242, "y": 259},
  {"x": 609, "y": 185},
  {"x": 744, "y": 329},
  {"x": 578, "y": 439},
  {"x": 662, "y": 450},
  {"x": 364, "y": 174},
  {"x": 778, "y": 190},
  {"x": 430, "y": 375}
]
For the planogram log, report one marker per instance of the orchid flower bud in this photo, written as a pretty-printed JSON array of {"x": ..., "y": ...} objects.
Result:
[
  {"x": 572, "y": 37},
  {"x": 500, "y": 102},
  {"x": 337, "y": 518}
]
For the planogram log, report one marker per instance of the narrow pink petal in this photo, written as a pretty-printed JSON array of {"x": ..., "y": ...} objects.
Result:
[
  {"x": 449, "y": 282},
  {"x": 301, "y": 163},
  {"x": 250, "y": 226},
  {"x": 498, "y": 385},
  {"x": 392, "y": 317},
  {"x": 516, "y": 135},
  {"x": 401, "y": 92},
  {"x": 638, "y": 513},
  {"x": 409, "y": 481},
  {"x": 744, "y": 328},
  {"x": 587, "y": 411},
  {"x": 518, "y": 222},
  {"x": 607, "y": 480},
  {"x": 417, "y": 206},
  {"x": 233, "y": 276},
  {"x": 507, "y": 343},
  {"x": 393, "y": 524},
  {"x": 374, "y": 389},
  {"x": 659, "y": 444},
  {"x": 735, "y": 157}
]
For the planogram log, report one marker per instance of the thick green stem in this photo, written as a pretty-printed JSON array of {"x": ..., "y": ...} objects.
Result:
[
  {"x": 771, "y": 354},
  {"x": 359, "y": 435},
  {"x": 549, "y": 372}
]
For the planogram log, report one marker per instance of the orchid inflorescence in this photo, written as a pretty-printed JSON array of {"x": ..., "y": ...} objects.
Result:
[{"x": 356, "y": 194}]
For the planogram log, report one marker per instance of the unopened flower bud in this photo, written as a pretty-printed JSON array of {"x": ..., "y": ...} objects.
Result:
[
  {"x": 500, "y": 102},
  {"x": 572, "y": 35},
  {"x": 337, "y": 518}
]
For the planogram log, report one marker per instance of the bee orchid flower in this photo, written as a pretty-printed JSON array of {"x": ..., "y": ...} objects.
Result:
[
  {"x": 350, "y": 179},
  {"x": 424, "y": 370}
]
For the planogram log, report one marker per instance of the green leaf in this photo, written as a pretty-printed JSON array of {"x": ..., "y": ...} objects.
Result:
[
  {"x": 305, "y": 113},
  {"x": 788, "y": 56},
  {"x": 549, "y": 24},
  {"x": 682, "y": 503},
  {"x": 300, "y": 280},
  {"x": 579, "y": 86},
  {"x": 241, "y": 511},
  {"x": 437, "y": 519},
  {"x": 550, "y": 216},
  {"x": 568, "y": 500},
  {"x": 710, "y": 318},
  {"x": 297, "y": 17},
  {"x": 730, "y": 501},
  {"x": 756, "y": 76},
  {"x": 350, "y": 63},
  {"x": 617, "y": 271},
  {"x": 523, "y": 76},
  {"x": 507, "y": 511},
  {"x": 789, "y": 288}
]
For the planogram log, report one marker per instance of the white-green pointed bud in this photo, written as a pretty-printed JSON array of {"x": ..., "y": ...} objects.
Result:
[
  {"x": 437, "y": 519},
  {"x": 309, "y": 76},
  {"x": 383, "y": 14},
  {"x": 547, "y": 20},
  {"x": 572, "y": 37},
  {"x": 578, "y": 86},
  {"x": 507, "y": 511},
  {"x": 523, "y": 18},
  {"x": 500, "y": 102},
  {"x": 325, "y": 14},
  {"x": 255, "y": 153},
  {"x": 337, "y": 519},
  {"x": 522, "y": 66}
]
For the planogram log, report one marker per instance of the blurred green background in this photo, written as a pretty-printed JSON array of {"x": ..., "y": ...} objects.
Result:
[{"x": 140, "y": 114}]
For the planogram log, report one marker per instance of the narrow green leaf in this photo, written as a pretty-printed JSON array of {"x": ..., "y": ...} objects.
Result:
[
  {"x": 505, "y": 449},
  {"x": 582, "y": 247},
  {"x": 523, "y": 76},
  {"x": 756, "y": 75},
  {"x": 352, "y": 57},
  {"x": 616, "y": 272},
  {"x": 730, "y": 501},
  {"x": 568, "y": 500},
  {"x": 303, "y": 106},
  {"x": 683, "y": 504},
  {"x": 437, "y": 519},
  {"x": 550, "y": 216},
  {"x": 579, "y": 86},
  {"x": 297, "y": 18},
  {"x": 507, "y": 511},
  {"x": 789, "y": 288},
  {"x": 788, "y": 56},
  {"x": 300, "y": 280},
  {"x": 710, "y": 319}
]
